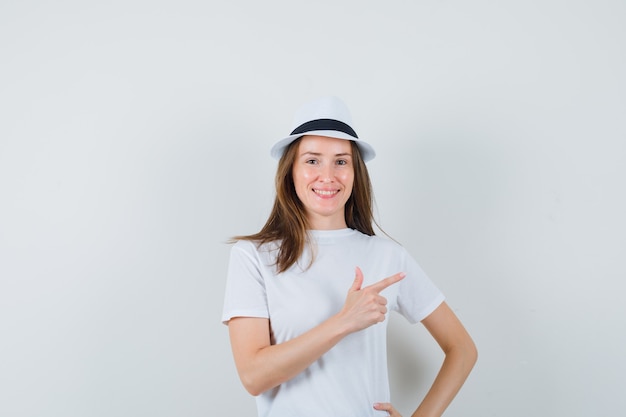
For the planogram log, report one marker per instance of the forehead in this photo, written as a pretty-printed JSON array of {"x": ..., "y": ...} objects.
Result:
[{"x": 324, "y": 145}]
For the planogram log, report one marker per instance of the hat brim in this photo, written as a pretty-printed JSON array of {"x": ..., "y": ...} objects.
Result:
[{"x": 367, "y": 152}]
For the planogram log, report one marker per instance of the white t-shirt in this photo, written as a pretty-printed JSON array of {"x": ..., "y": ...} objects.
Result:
[{"x": 348, "y": 379}]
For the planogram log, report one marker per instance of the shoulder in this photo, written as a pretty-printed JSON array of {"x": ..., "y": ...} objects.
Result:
[
  {"x": 245, "y": 245},
  {"x": 253, "y": 249}
]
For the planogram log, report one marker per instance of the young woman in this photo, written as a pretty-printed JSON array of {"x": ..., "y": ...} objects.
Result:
[{"x": 307, "y": 297}]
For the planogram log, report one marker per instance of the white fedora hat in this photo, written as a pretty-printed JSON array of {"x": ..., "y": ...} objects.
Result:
[{"x": 326, "y": 116}]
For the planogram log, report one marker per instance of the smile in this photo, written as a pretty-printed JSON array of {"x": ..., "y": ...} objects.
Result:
[{"x": 325, "y": 192}]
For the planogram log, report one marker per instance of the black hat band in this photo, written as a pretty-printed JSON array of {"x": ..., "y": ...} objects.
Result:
[{"x": 325, "y": 124}]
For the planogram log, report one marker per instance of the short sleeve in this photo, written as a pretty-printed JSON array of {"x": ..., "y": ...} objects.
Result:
[
  {"x": 417, "y": 295},
  {"x": 245, "y": 294}
]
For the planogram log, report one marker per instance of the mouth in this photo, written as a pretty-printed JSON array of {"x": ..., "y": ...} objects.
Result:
[{"x": 325, "y": 193}]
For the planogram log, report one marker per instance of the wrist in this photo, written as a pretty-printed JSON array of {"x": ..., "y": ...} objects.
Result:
[{"x": 339, "y": 325}]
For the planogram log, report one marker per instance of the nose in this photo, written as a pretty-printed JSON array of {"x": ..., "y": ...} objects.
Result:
[{"x": 326, "y": 173}]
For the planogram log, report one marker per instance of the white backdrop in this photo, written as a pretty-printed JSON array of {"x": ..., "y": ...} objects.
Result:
[{"x": 134, "y": 140}]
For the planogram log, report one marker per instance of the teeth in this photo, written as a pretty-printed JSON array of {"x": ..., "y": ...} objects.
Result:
[{"x": 324, "y": 192}]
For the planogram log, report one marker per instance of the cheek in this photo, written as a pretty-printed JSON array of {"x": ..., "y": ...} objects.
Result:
[
  {"x": 303, "y": 176},
  {"x": 346, "y": 178}
]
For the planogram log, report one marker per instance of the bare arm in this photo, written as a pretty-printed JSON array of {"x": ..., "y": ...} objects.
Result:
[
  {"x": 461, "y": 355},
  {"x": 262, "y": 366}
]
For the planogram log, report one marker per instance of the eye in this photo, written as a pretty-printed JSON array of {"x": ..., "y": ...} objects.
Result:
[
  {"x": 342, "y": 162},
  {"x": 311, "y": 161}
]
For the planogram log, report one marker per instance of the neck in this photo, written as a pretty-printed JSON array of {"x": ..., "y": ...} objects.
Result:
[{"x": 327, "y": 223}]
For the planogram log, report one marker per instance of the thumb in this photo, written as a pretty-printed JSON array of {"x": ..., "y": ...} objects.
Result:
[{"x": 358, "y": 280}]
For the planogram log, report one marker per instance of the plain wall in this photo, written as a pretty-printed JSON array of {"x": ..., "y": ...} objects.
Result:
[{"x": 134, "y": 140}]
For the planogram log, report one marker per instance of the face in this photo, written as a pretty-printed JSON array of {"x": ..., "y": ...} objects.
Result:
[{"x": 323, "y": 175}]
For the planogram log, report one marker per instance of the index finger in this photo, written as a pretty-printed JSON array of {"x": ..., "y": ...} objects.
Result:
[{"x": 384, "y": 283}]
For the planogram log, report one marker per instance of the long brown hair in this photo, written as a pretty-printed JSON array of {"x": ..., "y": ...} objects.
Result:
[{"x": 287, "y": 222}]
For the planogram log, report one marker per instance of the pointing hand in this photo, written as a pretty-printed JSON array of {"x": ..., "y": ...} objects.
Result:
[{"x": 365, "y": 306}]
